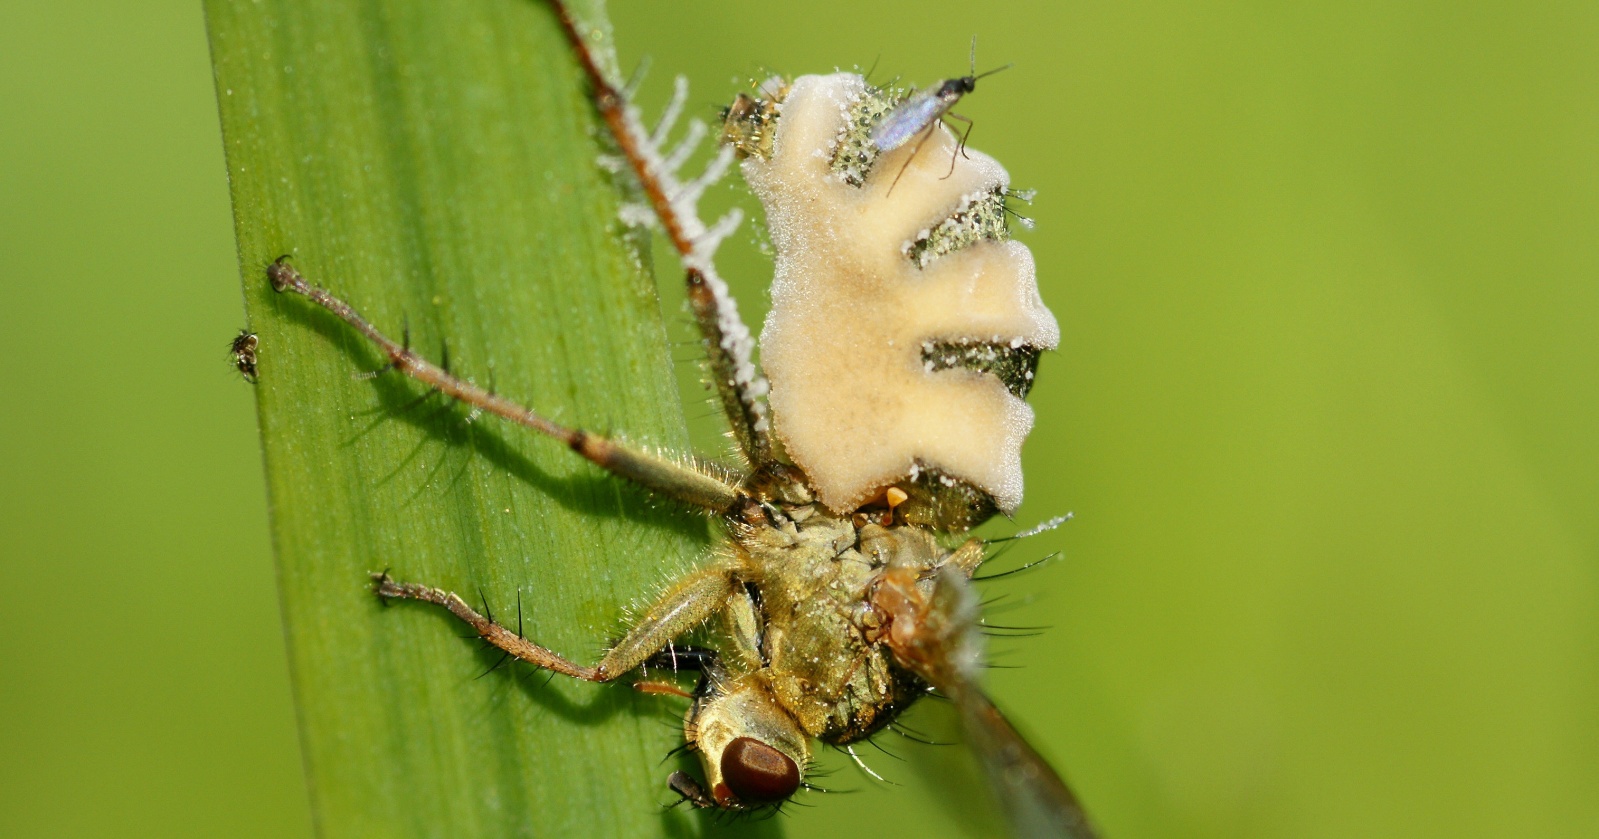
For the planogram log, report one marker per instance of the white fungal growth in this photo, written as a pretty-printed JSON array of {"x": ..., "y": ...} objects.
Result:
[
  {"x": 854, "y": 403},
  {"x": 682, "y": 199}
]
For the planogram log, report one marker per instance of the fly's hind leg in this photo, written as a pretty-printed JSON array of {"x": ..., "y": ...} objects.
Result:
[
  {"x": 685, "y": 605},
  {"x": 960, "y": 147},
  {"x": 696, "y": 487}
]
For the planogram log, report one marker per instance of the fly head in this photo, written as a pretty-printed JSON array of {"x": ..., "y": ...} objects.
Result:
[{"x": 752, "y": 751}]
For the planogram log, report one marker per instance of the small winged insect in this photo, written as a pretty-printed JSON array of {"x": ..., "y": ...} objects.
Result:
[
  {"x": 903, "y": 336},
  {"x": 243, "y": 349},
  {"x": 917, "y": 115}
]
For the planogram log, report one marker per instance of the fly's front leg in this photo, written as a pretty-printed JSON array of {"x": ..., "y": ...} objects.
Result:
[
  {"x": 697, "y": 487},
  {"x": 684, "y": 606}
]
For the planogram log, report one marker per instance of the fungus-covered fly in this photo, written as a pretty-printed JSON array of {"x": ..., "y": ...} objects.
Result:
[{"x": 885, "y": 422}]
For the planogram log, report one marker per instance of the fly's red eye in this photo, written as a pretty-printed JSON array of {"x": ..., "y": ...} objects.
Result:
[{"x": 757, "y": 772}]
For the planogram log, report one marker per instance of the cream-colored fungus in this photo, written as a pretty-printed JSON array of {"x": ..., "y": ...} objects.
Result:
[{"x": 855, "y": 300}]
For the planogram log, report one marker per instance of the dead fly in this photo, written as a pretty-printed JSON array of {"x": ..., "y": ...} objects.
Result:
[
  {"x": 243, "y": 349},
  {"x": 843, "y": 595},
  {"x": 916, "y": 116}
]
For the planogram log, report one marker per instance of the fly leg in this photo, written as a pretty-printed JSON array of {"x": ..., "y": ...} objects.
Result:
[
  {"x": 920, "y": 139},
  {"x": 960, "y": 147},
  {"x": 665, "y": 476},
  {"x": 688, "y": 603}
]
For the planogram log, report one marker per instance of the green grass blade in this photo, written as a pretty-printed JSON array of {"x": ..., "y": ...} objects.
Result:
[{"x": 436, "y": 163}]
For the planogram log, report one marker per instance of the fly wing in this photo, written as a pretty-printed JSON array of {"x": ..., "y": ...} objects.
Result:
[
  {"x": 934, "y": 635},
  {"x": 907, "y": 120},
  {"x": 1036, "y": 802}
]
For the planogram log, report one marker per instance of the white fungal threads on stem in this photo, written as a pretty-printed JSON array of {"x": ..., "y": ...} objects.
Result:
[
  {"x": 858, "y": 407},
  {"x": 677, "y": 208}
]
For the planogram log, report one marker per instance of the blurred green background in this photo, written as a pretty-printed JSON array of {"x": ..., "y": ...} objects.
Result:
[{"x": 1329, "y": 287}]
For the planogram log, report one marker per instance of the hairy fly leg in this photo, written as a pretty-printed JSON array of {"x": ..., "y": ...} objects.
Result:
[
  {"x": 696, "y": 487},
  {"x": 685, "y": 605}
]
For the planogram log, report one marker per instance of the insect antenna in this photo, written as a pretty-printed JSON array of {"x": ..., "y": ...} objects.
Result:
[
  {"x": 972, "y": 64},
  {"x": 985, "y": 75}
]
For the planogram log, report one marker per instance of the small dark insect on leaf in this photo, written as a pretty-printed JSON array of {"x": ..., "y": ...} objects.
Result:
[{"x": 243, "y": 348}]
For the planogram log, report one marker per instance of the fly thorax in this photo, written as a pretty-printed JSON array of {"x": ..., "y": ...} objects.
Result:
[{"x": 905, "y": 323}]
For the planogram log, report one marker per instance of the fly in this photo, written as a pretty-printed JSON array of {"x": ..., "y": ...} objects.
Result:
[
  {"x": 916, "y": 116},
  {"x": 844, "y": 592}
]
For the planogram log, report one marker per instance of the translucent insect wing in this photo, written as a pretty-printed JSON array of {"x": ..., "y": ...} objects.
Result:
[
  {"x": 947, "y": 653},
  {"x": 1035, "y": 801},
  {"x": 909, "y": 119}
]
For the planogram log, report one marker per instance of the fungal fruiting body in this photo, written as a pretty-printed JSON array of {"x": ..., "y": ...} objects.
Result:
[{"x": 895, "y": 307}]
